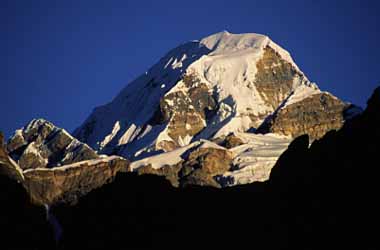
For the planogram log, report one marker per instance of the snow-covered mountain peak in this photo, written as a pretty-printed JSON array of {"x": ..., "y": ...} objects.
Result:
[
  {"x": 225, "y": 42},
  {"x": 206, "y": 89}
]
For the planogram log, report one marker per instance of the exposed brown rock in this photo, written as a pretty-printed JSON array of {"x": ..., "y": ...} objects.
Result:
[
  {"x": 232, "y": 141},
  {"x": 203, "y": 165},
  {"x": 314, "y": 116},
  {"x": 37, "y": 130},
  {"x": 17, "y": 142},
  {"x": 68, "y": 183},
  {"x": 31, "y": 158},
  {"x": 7, "y": 166},
  {"x": 81, "y": 152},
  {"x": 59, "y": 141},
  {"x": 183, "y": 124},
  {"x": 167, "y": 145},
  {"x": 2, "y": 146},
  {"x": 274, "y": 77},
  {"x": 185, "y": 112}
]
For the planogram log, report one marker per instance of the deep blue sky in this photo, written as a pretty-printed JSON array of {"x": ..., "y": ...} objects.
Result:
[{"x": 60, "y": 59}]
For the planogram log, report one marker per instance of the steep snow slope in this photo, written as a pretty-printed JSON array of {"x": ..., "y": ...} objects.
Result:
[
  {"x": 164, "y": 159},
  {"x": 132, "y": 109}
]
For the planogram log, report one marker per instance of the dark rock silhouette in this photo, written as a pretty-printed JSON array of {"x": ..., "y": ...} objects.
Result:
[{"x": 23, "y": 226}]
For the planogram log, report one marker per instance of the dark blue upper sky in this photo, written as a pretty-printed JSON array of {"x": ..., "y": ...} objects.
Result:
[{"x": 60, "y": 59}]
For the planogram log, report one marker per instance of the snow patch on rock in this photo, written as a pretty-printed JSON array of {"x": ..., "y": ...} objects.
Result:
[
  {"x": 163, "y": 159},
  {"x": 108, "y": 138}
]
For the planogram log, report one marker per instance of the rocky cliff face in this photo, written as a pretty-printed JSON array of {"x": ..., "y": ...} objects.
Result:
[
  {"x": 274, "y": 77},
  {"x": 204, "y": 166},
  {"x": 185, "y": 112},
  {"x": 314, "y": 115},
  {"x": 68, "y": 183},
  {"x": 8, "y": 167}
]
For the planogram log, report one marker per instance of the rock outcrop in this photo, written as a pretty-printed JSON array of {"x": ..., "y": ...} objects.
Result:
[
  {"x": 70, "y": 182},
  {"x": 204, "y": 166},
  {"x": 232, "y": 141},
  {"x": 8, "y": 167},
  {"x": 275, "y": 77},
  {"x": 185, "y": 111},
  {"x": 314, "y": 115},
  {"x": 40, "y": 144}
]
